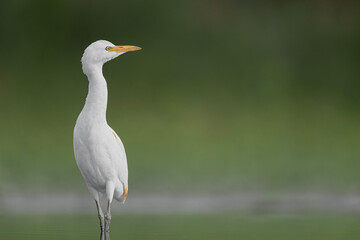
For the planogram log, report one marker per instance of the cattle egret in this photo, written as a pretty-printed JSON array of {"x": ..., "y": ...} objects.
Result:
[{"x": 99, "y": 152}]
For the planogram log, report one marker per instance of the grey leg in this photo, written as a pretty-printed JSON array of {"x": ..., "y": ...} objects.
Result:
[
  {"x": 107, "y": 222},
  {"x": 101, "y": 218}
]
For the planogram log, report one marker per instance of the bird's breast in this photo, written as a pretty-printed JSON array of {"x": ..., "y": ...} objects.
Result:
[{"x": 91, "y": 154}]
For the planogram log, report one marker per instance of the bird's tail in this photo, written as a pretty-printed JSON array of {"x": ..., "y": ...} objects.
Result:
[{"x": 121, "y": 196}]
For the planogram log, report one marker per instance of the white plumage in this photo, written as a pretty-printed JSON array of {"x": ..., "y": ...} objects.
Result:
[{"x": 99, "y": 152}]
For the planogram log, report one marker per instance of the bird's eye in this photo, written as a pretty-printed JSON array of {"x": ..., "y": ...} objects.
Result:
[{"x": 107, "y": 48}]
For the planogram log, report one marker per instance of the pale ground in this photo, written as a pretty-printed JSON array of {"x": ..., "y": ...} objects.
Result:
[{"x": 253, "y": 202}]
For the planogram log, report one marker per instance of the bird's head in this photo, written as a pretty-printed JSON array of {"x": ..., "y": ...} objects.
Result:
[{"x": 102, "y": 51}]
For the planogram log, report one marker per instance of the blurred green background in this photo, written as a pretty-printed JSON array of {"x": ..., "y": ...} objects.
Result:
[{"x": 225, "y": 96}]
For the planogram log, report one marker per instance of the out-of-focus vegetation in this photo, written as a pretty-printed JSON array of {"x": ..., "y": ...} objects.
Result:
[
  {"x": 224, "y": 94},
  {"x": 184, "y": 227}
]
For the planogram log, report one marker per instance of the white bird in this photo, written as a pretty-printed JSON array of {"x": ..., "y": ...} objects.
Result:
[{"x": 99, "y": 152}]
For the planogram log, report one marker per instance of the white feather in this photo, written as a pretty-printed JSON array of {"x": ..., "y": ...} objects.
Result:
[{"x": 99, "y": 152}]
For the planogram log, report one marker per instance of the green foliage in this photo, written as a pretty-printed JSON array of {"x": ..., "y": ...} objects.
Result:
[
  {"x": 183, "y": 227},
  {"x": 224, "y": 93}
]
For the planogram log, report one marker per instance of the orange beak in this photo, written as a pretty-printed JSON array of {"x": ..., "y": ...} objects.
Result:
[{"x": 122, "y": 49}]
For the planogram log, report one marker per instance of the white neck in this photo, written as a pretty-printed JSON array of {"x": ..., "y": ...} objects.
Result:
[{"x": 96, "y": 100}]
